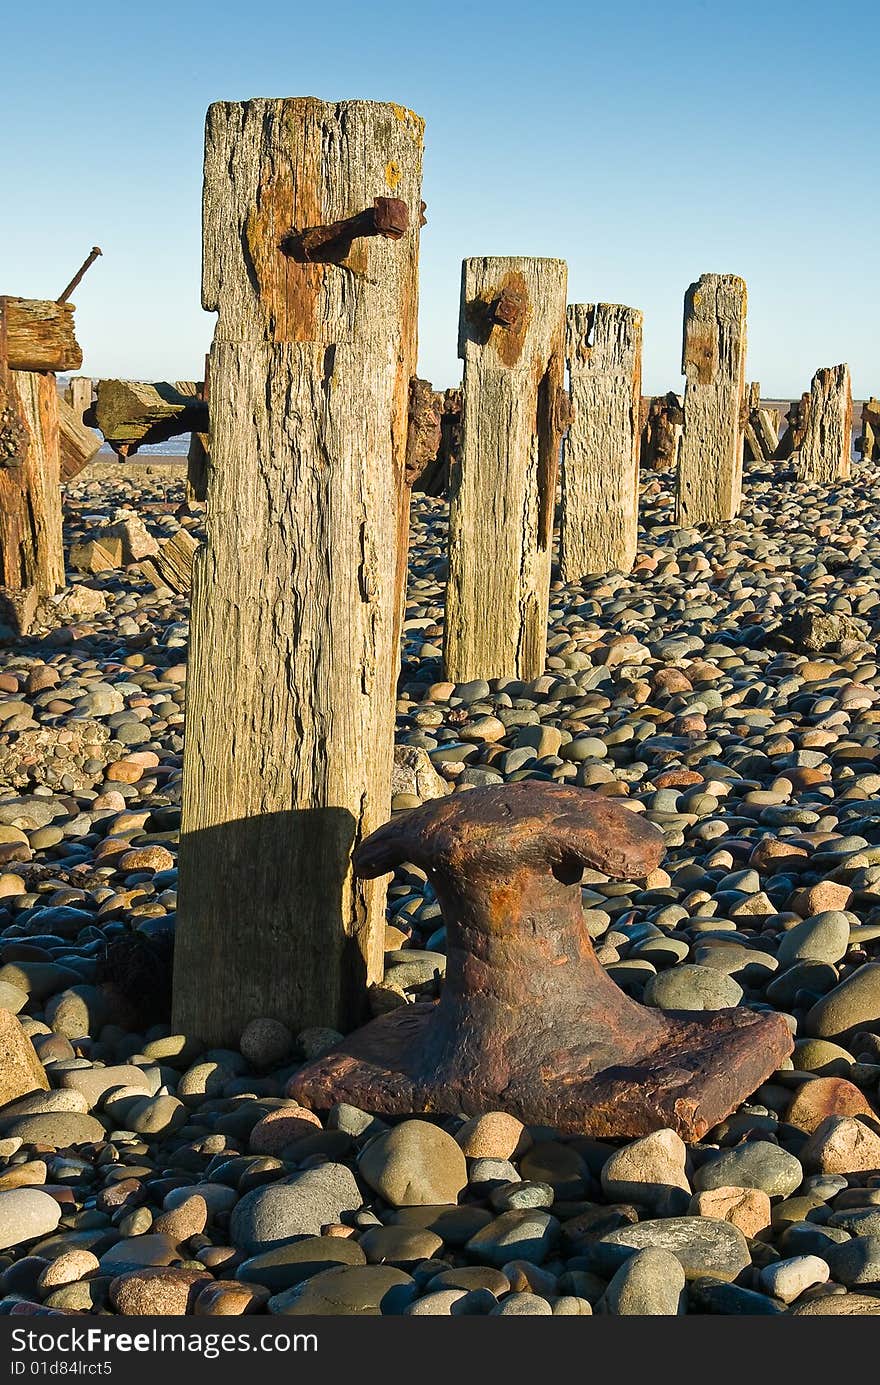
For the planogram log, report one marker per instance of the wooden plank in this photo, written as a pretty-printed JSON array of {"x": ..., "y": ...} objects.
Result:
[
  {"x": 826, "y": 450},
  {"x": 713, "y": 361},
  {"x": 600, "y": 454},
  {"x": 293, "y": 664},
  {"x": 502, "y": 501},
  {"x": 31, "y": 549},
  {"x": 79, "y": 444},
  {"x": 78, "y": 394},
  {"x": 40, "y": 335}
]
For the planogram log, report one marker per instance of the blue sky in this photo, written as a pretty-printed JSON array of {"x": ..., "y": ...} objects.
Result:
[{"x": 643, "y": 143}]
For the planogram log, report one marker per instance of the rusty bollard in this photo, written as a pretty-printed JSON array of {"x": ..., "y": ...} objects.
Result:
[{"x": 528, "y": 1021}]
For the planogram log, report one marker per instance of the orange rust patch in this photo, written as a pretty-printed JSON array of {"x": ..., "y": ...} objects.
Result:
[{"x": 509, "y": 341}]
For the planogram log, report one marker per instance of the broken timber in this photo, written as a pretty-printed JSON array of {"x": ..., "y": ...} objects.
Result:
[
  {"x": 133, "y": 413},
  {"x": 293, "y": 664},
  {"x": 600, "y": 456},
  {"x": 512, "y": 341},
  {"x": 40, "y": 335},
  {"x": 79, "y": 444},
  {"x": 713, "y": 361}
]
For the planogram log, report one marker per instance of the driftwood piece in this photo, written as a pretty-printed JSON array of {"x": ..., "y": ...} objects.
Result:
[
  {"x": 713, "y": 361},
  {"x": 825, "y": 452},
  {"x": 31, "y": 549},
  {"x": 79, "y": 444},
  {"x": 39, "y": 335},
  {"x": 600, "y": 454},
  {"x": 293, "y": 665},
  {"x": 512, "y": 341},
  {"x": 133, "y": 413}
]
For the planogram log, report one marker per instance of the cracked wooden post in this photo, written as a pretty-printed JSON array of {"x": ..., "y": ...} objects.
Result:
[
  {"x": 713, "y": 361},
  {"x": 511, "y": 339},
  {"x": 290, "y": 701},
  {"x": 826, "y": 447},
  {"x": 31, "y": 547},
  {"x": 600, "y": 454}
]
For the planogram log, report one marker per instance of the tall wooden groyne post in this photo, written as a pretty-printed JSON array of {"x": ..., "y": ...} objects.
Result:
[
  {"x": 511, "y": 339},
  {"x": 600, "y": 455},
  {"x": 713, "y": 362},
  {"x": 310, "y": 259}
]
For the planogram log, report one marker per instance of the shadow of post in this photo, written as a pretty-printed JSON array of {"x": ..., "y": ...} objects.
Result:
[{"x": 270, "y": 924}]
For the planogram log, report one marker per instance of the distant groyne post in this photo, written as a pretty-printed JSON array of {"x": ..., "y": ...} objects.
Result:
[
  {"x": 709, "y": 489},
  {"x": 502, "y": 495},
  {"x": 600, "y": 452},
  {"x": 310, "y": 260},
  {"x": 825, "y": 449}
]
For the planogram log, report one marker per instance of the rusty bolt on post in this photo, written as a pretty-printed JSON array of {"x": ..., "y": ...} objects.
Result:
[
  {"x": 528, "y": 1021},
  {"x": 388, "y": 217},
  {"x": 508, "y": 308}
]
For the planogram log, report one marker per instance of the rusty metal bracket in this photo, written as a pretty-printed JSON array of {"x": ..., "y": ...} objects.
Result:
[
  {"x": 509, "y": 308},
  {"x": 388, "y": 217},
  {"x": 528, "y": 1021}
]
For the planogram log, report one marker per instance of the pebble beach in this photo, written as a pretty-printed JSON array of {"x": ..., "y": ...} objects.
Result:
[{"x": 728, "y": 688}]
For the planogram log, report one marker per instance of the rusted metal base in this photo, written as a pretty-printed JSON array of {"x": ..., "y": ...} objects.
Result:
[
  {"x": 528, "y": 1021},
  {"x": 702, "y": 1067}
]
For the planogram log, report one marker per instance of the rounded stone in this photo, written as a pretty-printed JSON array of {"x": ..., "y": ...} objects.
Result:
[
  {"x": 691, "y": 987},
  {"x": 414, "y": 1164},
  {"x": 348, "y": 1291},
  {"x": 650, "y": 1283},
  {"x": 754, "y": 1164},
  {"x": 274, "y": 1213},
  {"x": 25, "y": 1215}
]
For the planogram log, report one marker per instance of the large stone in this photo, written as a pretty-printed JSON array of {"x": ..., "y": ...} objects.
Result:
[
  {"x": 703, "y": 1246},
  {"x": 495, "y": 1135},
  {"x": 856, "y": 1261},
  {"x": 94, "y": 1083},
  {"x": 788, "y": 1279},
  {"x": 414, "y": 1164},
  {"x": 270, "y": 1215},
  {"x": 748, "y": 1209},
  {"x": 59, "y": 1129},
  {"x": 855, "y": 1002},
  {"x": 413, "y": 774},
  {"x": 815, "y": 1101},
  {"x": 839, "y": 1306},
  {"x": 754, "y": 1164},
  {"x": 650, "y": 1171},
  {"x": 291, "y": 1263},
  {"x": 842, "y": 1144},
  {"x": 529, "y": 1234},
  {"x": 20, "y": 1069},
  {"x": 650, "y": 1283},
  {"x": 165, "y": 1292},
  {"x": 822, "y": 938},
  {"x": 25, "y": 1215},
  {"x": 348, "y": 1291},
  {"x": 691, "y": 987}
]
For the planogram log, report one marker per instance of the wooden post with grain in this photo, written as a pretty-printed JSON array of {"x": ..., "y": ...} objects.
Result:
[
  {"x": 600, "y": 454},
  {"x": 713, "y": 362},
  {"x": 36, "y": 339},
  {"x": 512, "y": 342},
  {"x": 293, "y": 664},
  {"x": 825, "y": 451}
]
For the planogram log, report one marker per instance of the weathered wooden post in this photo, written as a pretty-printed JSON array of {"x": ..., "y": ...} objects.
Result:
[
  {"x": 311, "y": 232},
  {"x": 511, "y": 339},
  {"x": 713, "y": 362},
  {"x": 826, "y": 447},
  {"x": 36, "y": 339},
  {"x": 600, "y": 454}
]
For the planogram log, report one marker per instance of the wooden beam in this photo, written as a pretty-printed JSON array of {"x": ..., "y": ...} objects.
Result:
[
  {"x": 512, "y": 342},
  {"x": 713, "y": 362},
  {"x": 293, "y": 663},
  {"x": 826, "y": 449},
  {"x": 600, "y": 453},
  {"x": 134, "y": 413},
  {"x": 79, "y": 444},
  {"x": 40, "y": 335}
]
